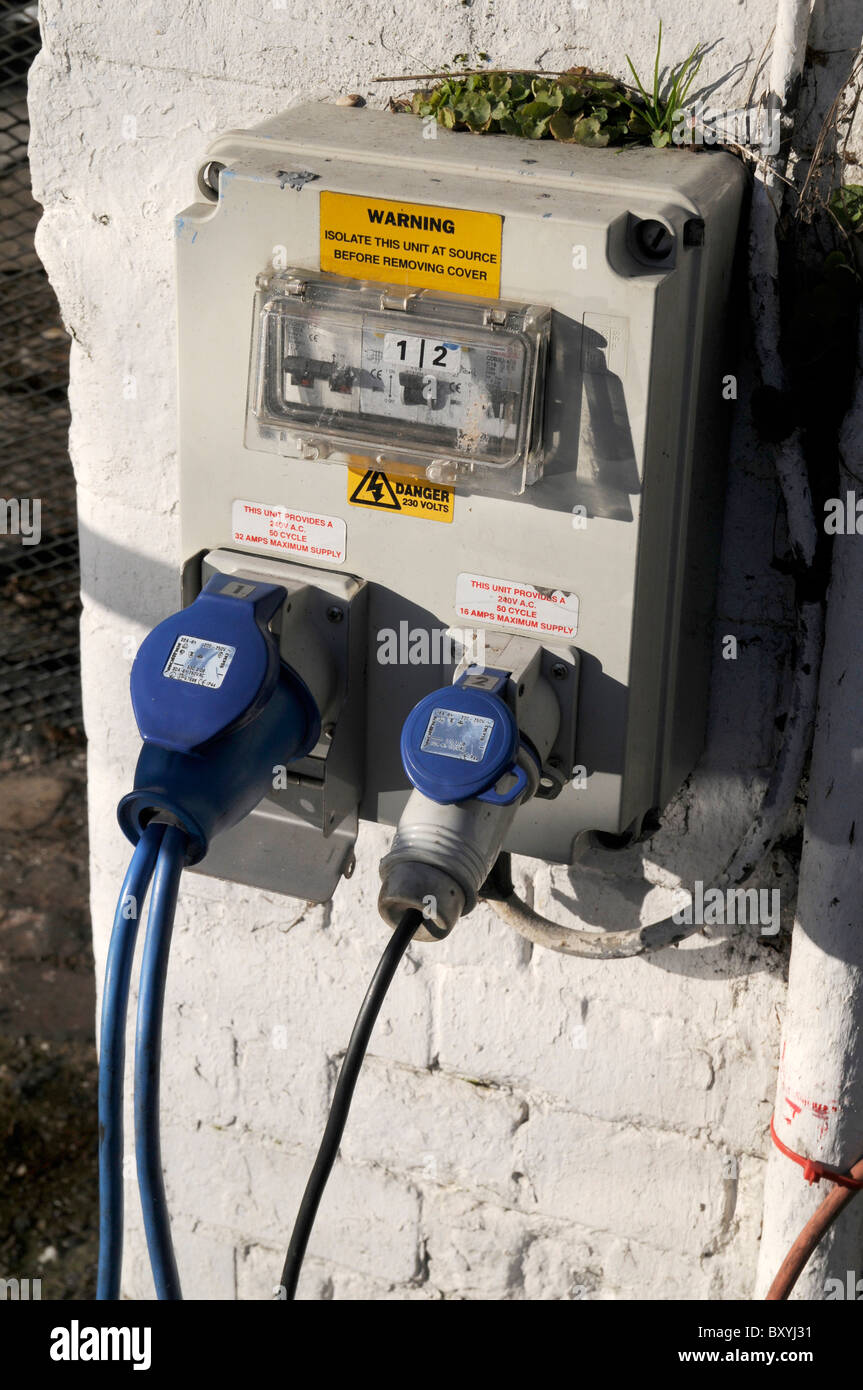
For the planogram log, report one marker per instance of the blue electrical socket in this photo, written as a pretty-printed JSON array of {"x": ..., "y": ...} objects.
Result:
[{"x": 217, "y": 709}]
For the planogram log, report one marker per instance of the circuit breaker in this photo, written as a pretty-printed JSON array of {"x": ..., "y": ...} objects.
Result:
[{"x": 459, "y": 396}]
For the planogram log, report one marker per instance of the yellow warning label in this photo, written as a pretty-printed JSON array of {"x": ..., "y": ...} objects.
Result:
[
  {"x": 411, "y": 244},
  {"x": 386, "y": 492}
]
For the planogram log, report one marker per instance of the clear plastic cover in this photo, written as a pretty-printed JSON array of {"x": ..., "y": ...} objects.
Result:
[{"x": 432, "y": 385}]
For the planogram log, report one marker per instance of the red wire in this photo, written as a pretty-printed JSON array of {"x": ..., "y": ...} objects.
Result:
[
  {"x": 846, "y": 1186},
  {"x": 813, "y": 1171}
]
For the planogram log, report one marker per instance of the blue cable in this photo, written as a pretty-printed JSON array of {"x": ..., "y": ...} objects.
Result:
[
  {"x": 112, "y": 1057},
  {"x": 148, "y": 1043}
]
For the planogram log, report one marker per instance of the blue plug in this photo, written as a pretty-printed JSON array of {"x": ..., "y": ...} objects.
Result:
[
  {"x": 471, "y": 769},
  {"x": 459, "y": 742},
  {"x": 218, "y": 710}
]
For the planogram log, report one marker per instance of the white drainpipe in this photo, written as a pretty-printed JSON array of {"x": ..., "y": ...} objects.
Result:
[
  {"x": 813, "y": 1057},
  {"x": 819, "y": 1099}
]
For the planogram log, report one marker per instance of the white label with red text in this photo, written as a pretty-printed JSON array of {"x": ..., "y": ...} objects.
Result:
[
  {"x": 509, "y": 603},
  {"x": 290, "y": 532}
]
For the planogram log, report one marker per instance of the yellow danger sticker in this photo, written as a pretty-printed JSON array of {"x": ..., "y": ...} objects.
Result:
[
  {"x": 414, "y": 244},
  {"x": 386, "y": 492}
]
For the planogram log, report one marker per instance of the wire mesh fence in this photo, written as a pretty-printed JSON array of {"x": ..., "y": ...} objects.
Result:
[
  {"x": 39, "y": 604},
  {"x": 48, "y": 1140}
]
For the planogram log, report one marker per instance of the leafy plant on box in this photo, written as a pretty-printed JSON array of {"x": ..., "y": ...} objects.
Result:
[{"x": 579, "y": 106}]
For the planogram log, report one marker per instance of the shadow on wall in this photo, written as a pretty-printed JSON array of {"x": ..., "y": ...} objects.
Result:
[{"x": 745, "y": 720}]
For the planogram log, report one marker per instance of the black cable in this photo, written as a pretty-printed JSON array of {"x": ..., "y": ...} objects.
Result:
[
  {"x": 148, "y": 1062},
  {"x": 342, "y": 1096}
]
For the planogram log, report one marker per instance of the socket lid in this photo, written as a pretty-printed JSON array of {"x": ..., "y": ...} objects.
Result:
[
  {"x": 458, "y": 742},
  {"x": 209, "y": 668}
]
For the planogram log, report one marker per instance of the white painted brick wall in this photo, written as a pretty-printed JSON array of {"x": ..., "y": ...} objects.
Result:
[{"x": 528, "y": 1126}]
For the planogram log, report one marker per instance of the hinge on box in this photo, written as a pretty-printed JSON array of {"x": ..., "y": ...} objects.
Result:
[{"x": 401, "y": 303}]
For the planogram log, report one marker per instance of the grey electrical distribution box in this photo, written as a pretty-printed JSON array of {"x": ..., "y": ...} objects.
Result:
[{"x": 451, "y": 386}]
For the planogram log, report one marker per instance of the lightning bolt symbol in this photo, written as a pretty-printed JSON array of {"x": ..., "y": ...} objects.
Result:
[{"x": 376, "y": 488}]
